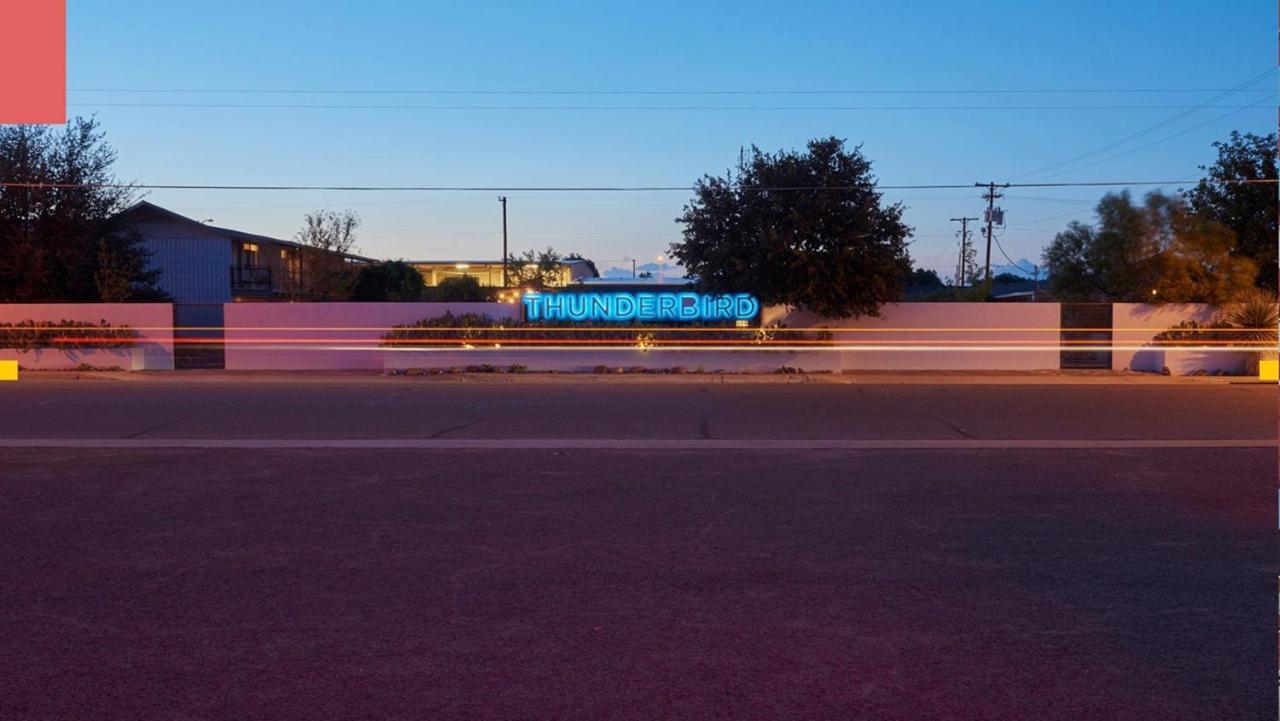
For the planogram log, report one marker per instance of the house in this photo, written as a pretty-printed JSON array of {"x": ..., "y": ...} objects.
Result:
[
  {"x": 489, "y": 272},
  {"x": 202, "y": 263}
]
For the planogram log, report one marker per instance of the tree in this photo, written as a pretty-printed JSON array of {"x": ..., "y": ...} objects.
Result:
[
  {"x": 1006, "y": 279},
  {"x": 394, "y": 280},
  {"x": 1248, "y": 209},
  {"x": 67, "y": 241},
  {"x": 1156, "y": 252},
  {"x": 921, "y": 278},
  {"x": 969, "y": 269},
  {"x": 797, "y": 228},
  {"x": 534, "y": 270},
  {"x": 328, "y": 238},
  {"x": 459, "y": 289}
]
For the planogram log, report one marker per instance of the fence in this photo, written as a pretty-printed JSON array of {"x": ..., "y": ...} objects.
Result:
[
  {"x": 326, "y": 336},
  {"x": 151, "y": 348},
  {"x": 906, "y": 336}
]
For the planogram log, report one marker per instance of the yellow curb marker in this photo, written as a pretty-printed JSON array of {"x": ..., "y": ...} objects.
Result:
[
  {"x": 8, "y": 370},
  {"x": 1269, "y": 370}
]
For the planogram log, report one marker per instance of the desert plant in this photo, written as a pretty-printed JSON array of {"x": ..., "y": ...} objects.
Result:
[
  {"x": 1255, "y": 316},
  {"x": 1191, "y": 332}
]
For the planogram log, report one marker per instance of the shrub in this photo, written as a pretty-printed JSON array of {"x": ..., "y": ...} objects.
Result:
[
  {"x": 475, "y": 329},
  {"x": 462, "y": 289},
  {"x": 31, "y": 335},
  {"x": 1190, "y": 332},
  {"x": 393, "y": 280},
  {"x": 1256, "y": 316}
]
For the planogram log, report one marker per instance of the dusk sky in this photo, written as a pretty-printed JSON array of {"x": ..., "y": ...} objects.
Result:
[{"x": 1193, "y": 49}]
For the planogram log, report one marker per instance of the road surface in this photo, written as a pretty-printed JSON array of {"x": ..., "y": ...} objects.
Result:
[{"x": 341, "y": 548}]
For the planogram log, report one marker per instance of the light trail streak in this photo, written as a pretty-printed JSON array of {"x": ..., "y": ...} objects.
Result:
[{"x": 617, "y": 329}]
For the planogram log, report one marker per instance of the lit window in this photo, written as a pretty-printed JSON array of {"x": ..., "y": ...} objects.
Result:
[{"x": 250, "y": 247}]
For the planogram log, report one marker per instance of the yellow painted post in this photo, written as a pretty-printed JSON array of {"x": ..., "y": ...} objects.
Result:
[
  {"x": 1269, "y": 370},
  {"x": 8, "y": 370}
]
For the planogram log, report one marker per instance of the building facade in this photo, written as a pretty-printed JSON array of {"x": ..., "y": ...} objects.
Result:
[
  {"x": 202, "y": 263},
  {"x": 489, "y": 272}
]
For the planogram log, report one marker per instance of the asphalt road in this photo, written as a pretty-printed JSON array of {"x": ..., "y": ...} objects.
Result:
[
  {"x": 542, "y": 407},
  {"x": 733, "y": 582}
]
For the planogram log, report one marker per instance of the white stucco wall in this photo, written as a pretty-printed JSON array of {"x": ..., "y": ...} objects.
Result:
[
  {"x": 913, "y": 336},
  {"x": 570, "y": 361},
  {"x": 1134, "y": 325},
  {"x": 152, "y": 349},
  {"x": 907, "y": 336},
  {"x": 326, "y": 336}
]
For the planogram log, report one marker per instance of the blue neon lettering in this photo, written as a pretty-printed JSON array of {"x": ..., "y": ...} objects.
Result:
[
  {"x": 532, "y": 306},
  {"x": 667, "y": 307},
  {"x": 624, "y": 307},
  {"x": 746, "y": 306},
  {"x": 641, "y": 307}
]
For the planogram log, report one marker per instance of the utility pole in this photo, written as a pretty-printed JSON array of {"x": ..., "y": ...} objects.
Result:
[
  {"x": 964, "y": 247},
  {"x": 503, "y": 199},
  {"x": 994, "y": 217}
]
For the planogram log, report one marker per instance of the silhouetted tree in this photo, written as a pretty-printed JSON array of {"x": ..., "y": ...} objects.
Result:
[
  {"x": 1155, "y": 252},
  {"x": 534, "y": 270},
  {"x": 459, "y": 289},
  {"x": 67, "y": 241},
  {"x": 922, "y": 278},
  {"x": 328, "y": 237},
  {"x": 394, "y": 280},
  {"x": 1250, "y": 210},
  {"x": 797, "y": 228}
]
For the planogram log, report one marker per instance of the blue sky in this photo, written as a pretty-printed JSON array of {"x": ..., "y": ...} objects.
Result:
[{"x": 1195, "y": 47}]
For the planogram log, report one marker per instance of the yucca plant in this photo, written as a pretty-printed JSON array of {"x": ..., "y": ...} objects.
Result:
[{"x": 1256, "y": 315}]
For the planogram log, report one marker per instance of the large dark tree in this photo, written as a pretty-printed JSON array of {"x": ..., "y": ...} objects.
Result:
[
  {"x": 66, "y": 242},
  {"x": 1156, "y": 251},
  {"x": 1248, "y": 209},
  {"x": 798, "y": 228}
]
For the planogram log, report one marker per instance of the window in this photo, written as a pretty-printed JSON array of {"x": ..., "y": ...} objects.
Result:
[{"x": 248, "y": 255}]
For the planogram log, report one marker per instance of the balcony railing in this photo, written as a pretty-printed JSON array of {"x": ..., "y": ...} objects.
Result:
[{"x": 248, "y": 278}]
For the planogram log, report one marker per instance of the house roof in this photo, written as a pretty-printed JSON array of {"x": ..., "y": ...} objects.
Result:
[{"x": 144, "y": 206}]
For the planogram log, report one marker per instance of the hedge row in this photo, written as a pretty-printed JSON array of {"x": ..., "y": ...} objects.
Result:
[
  {"x": 471, "y": 328},
  {"x": 29, "y": 335}
]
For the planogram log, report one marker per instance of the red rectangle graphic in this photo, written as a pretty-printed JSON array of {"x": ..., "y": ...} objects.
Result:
[{"x": 33, "y": 61}]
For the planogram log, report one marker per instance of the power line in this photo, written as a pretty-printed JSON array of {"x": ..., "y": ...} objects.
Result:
[
  {"x": 1012, "y": 262},
  {"x": 636, "y": 108},
  {"x": 590, "y": 188},
  {"x": 650, "y": 92},
  {"x": 1154, "y": 143},
  {"x": 1150, "y": 129}
]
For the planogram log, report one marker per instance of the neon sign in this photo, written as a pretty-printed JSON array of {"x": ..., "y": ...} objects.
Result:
[{"x": 645, "y": 307}]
